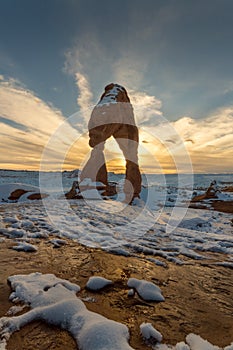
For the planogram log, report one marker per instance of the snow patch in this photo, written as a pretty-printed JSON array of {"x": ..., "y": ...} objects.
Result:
[
  {"x": 57, "y": 243},
  {"x": 54, "y": 301},
  {"x": 146, "y": 290},
  {"x": 196, "y": 343},
  {"x": 149, "y": 333},
  {"x": 96, "y": 283},
  {"x": 111, "y": 96},
  {"x": 25, "y": 247}
]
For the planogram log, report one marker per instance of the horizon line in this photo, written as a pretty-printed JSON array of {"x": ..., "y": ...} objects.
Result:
[{"x": 119, "y": 173}]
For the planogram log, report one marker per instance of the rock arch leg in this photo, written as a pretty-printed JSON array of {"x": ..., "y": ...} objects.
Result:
[
  {"x": 95, "y": 168},
  {"x": 133, "y": 178}
]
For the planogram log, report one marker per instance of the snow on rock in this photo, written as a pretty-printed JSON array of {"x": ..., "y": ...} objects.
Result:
[
  {"x": 226, "y": 196},
  {"x": 225, "y": 264},
  {"x": 114, "y": 227},
  {"x": 193, "y": 342},
  {"x": 131, "y": 293},
  {"x": 196, "y": 343},
  {"x": 91, "y": 194},
  {"x": 6, "y": 190},
  {"x": 27, "y": 224},
  {"x": 25, "y": 247},
  {"x": 182, "y": 346},
  {"x": 15, "y": 233},
  {"x": 29, "y": 287},
  {"x": 195, "y": 223},
  {"x": 229, "y": 347},
  {"x": 38, "y": 234},
  {"x": 146, "y": 290},
  {"x": 3, "y": 342},
  {"x": 87, "y": 182},
  {"x": 54, "y": 301},
  {"x": 75, "y": 173},
  {"x": 10, "y": 219},
  {"x": 57, "y": 243},
  {"x": 148, "y": 332},
  {"x": 15, "y": 310},
  {"x": 111, "y": 95},
  {"x": 96, "y": 283}
]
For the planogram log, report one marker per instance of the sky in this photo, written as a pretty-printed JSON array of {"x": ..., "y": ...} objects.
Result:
[{"x": 174, "y": 57}]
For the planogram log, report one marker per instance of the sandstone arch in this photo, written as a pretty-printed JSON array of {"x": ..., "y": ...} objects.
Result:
[{"x": 113, "y": 116}]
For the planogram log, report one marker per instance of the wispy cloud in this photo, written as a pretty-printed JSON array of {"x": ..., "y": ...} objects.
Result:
[
  {"x": 228, "y": 87},
  {"x": 208, "y": 142},
  {"x": 24, "y": 107},
  {"x": 85, "y": 96},
  {"x": 129, "y": 71},
  {"x": 147, "y": 108},
  {"x": 26, "y": 125},
  {"x": 212, "y": 138},
  {"x": 88, "y": 61},
  {"x": 74, "y": 66}
]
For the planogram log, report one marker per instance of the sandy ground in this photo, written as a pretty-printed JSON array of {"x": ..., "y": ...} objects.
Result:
[{"x": 198, "y": 296}]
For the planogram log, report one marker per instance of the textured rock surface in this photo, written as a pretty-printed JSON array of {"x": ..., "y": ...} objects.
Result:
[
  {"x": 113, "y": 116},
  {"x": 16, "y": 194}
]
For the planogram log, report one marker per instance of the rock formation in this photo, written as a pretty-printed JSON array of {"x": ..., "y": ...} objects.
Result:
[
  {"x": 113, "y": 116},
  {"x": 211, "y": 193},
  {"x": 18, "y": 193},
  {"x": 215, "y": 197}
]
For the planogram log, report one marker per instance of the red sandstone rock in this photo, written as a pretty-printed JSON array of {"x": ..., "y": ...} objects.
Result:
[
  {"x": 113, "y": 116},
  {"x": 16, "y": 194},
  {"x": 36, "y": 196}
]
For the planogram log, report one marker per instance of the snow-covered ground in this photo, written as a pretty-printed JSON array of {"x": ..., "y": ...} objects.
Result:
[
  {"x": 169, "y": 182},
  {"x": 53, "y": 300},
  {"x": 161, "y": 227},
  {"x": 124, "y": 230}
]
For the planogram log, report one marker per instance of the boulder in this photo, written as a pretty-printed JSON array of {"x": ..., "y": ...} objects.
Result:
[{"x": 18, "y": 193}]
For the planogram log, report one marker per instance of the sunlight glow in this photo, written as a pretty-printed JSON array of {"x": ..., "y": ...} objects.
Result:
[{"x": 27, "y": 123}]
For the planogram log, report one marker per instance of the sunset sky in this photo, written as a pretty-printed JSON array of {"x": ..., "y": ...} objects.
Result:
[{"x": 174, "y": 57}]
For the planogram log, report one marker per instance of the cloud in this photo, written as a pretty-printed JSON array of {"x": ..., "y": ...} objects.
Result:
[
  {"x": 129, "y": 71},
  {"x": 85, "y": 97},
  {"x": 87, "y": 49},
  {"x": 208, "y": 142},
  {"x": 26, "y": 125},
  {"x": 228, "y": 87},
  {"x": 214, "y": 131},
  {"x": 205, "y": 140},
  {"x": 147, "y": 108},
  {"x": 24, "y": 107},
  {"x": 73, "y": 65},
  {"x": 88, "y": 53}
]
